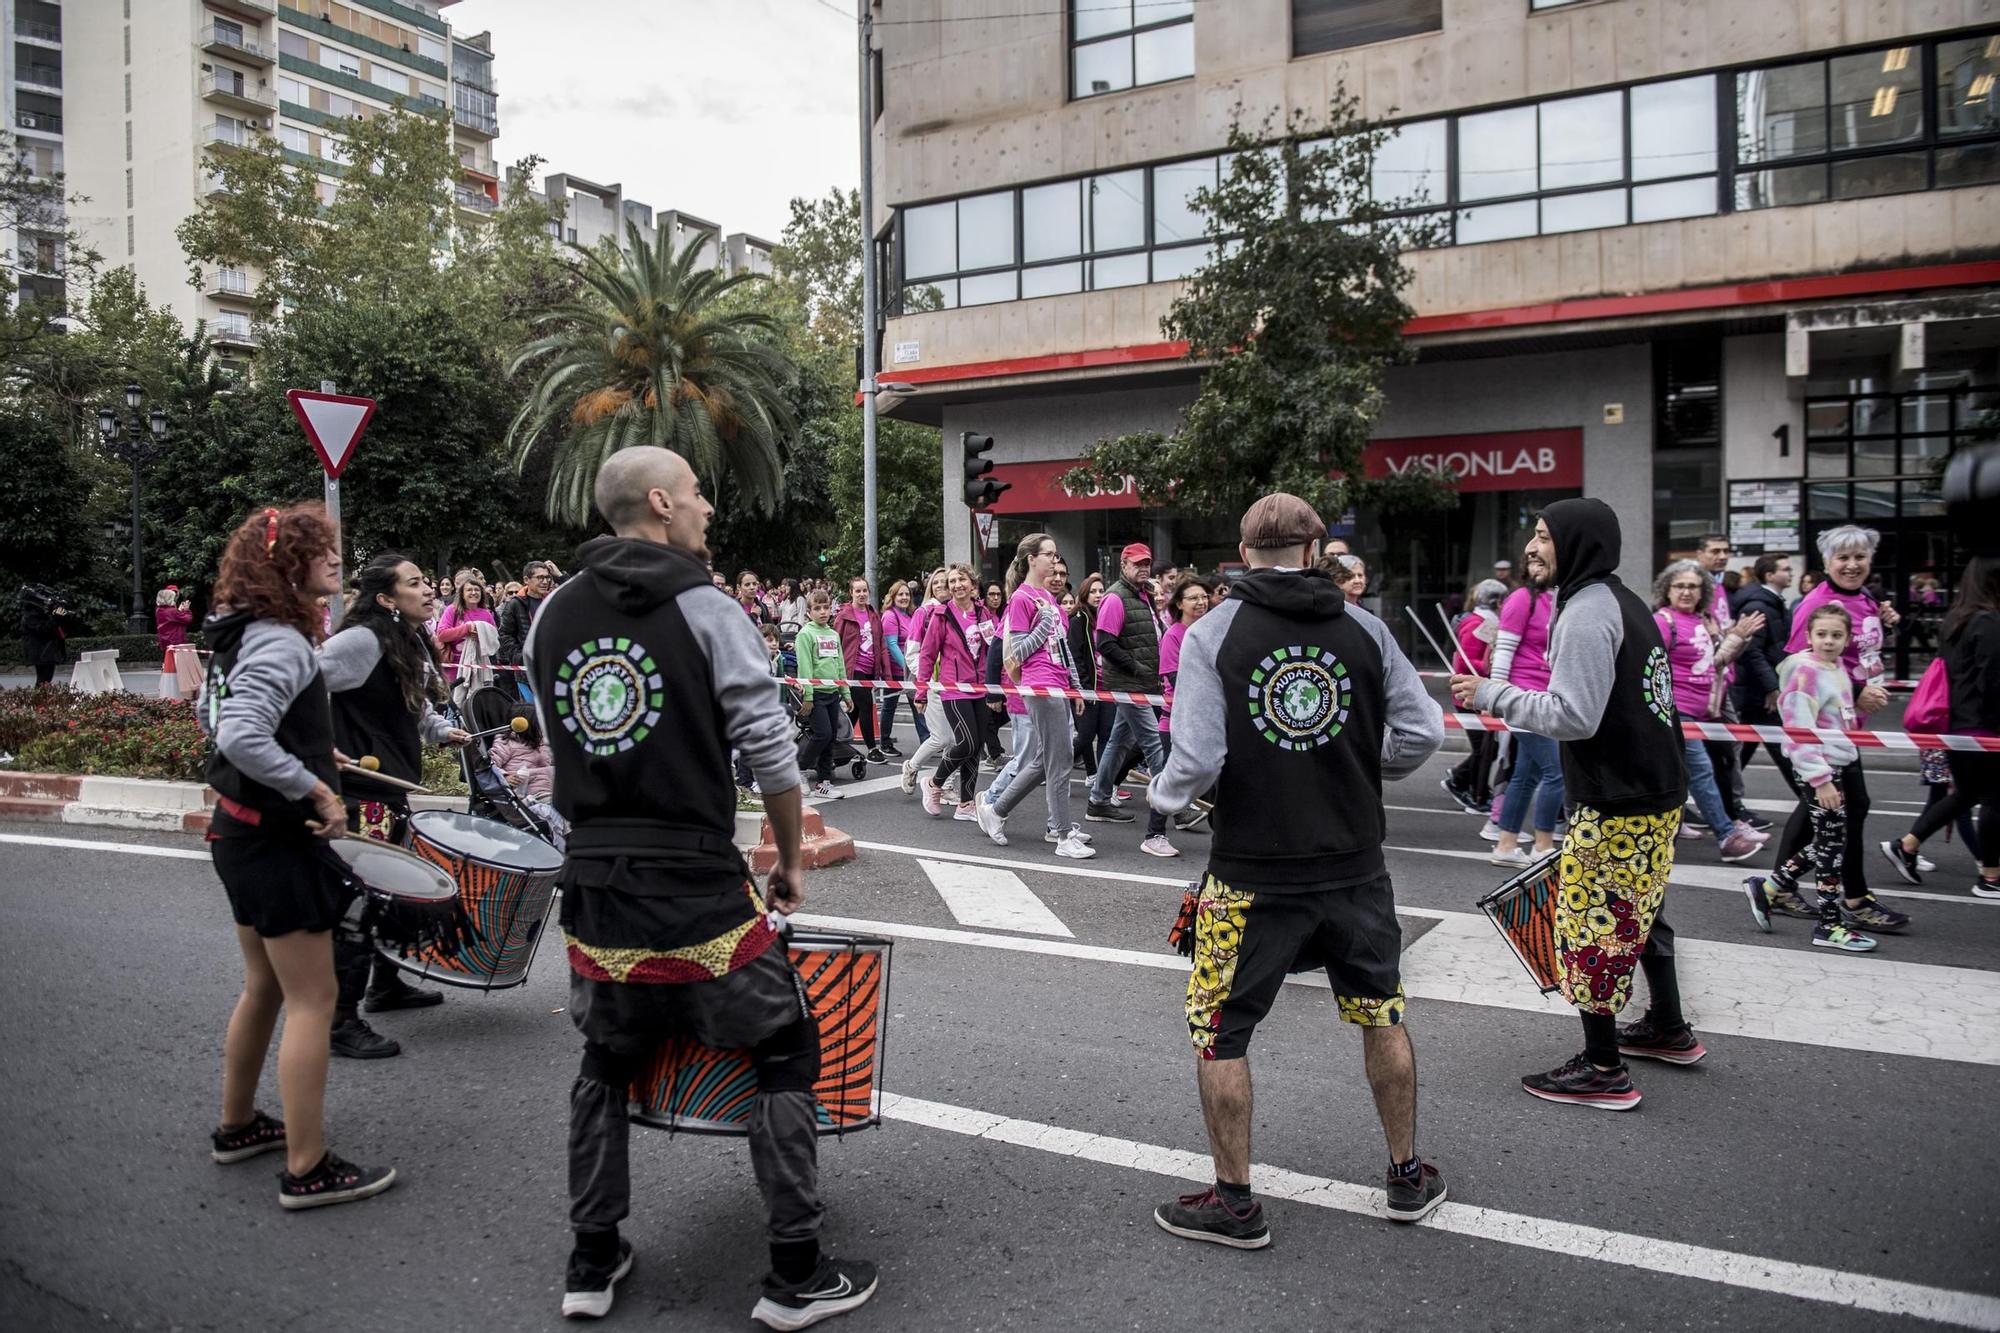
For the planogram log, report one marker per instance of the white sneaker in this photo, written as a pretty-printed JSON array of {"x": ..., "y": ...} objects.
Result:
[
  {"x": 820, "y": 789},
  {"x": 933, "y": 798},
  {"x": 1491, "y": 832},
  {"x": 1925, "y": 864},
  {"x": 1514, "y": 857},
  {"x": 1157, "y": 845},
  {"x": 994, "y": 824},
  {"x": 909, "y": 783},
  {"x": 1074, "y": 848},
  {"x": 1051, "y": 836},
  {"x": 966, "y": 813}
]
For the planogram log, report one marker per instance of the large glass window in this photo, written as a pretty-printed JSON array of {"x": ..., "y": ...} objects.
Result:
[
  {"x": 1051, "y": 221},
  {"x": 1583, "y": 140},
  {"x": 1175, "y": 217},
  {"x": 1114, "y": 211},
  {"x": 1673, "y": 128},
  {"x": 1410, "y": 165},
  {"x": 1120, "y": 44},
  {"x": 1331, "y": 25},
  {"x": 1496, "y": 153},
  {"x": 1967, "y": 102}
]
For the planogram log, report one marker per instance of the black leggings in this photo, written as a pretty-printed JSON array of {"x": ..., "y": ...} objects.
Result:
[
  {"x": 1798, "y": 830},
  {"x": 863, "y": 713},
  {"x": 1663, "y": 992},
  {"x": 1975, "y": 780},
  {"x": 1093, "y": 731},
  {"x": 962, "y": 756}
]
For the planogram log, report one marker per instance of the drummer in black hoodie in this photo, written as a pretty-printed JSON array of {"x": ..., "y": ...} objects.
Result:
[
  {"x": 1610, "y": 704},
  {"x": 1295, "y": 705}
]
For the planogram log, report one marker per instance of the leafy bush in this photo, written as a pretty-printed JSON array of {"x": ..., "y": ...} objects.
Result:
[
  {"x": 441, "y": 772},
  {"x": 132, "y": 648},
  {"x": 117, "y": 735}
]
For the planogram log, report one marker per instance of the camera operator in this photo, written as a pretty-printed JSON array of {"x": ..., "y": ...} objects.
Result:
[{"x": 45, "y": 616}]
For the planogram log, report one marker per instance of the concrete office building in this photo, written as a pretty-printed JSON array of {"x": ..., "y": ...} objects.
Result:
[
  {"x": 33, "y": 93},
  {"x": 155, "y": 83},
  {"x": 1727, "y": 266},
  {"x": 590, "y": 213}
]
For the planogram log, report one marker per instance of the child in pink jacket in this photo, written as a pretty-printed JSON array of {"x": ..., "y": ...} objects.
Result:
[{"x": 523, "y": 759}]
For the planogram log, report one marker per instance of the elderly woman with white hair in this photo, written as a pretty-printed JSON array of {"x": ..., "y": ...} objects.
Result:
[{"x": 1849, "y": 555}]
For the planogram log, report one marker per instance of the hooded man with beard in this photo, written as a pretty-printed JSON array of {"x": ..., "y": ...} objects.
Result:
[{"x": 1609, "y": 703}]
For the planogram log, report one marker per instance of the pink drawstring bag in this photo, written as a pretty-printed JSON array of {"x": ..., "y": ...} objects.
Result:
[{"x": 1929, "y": 709}]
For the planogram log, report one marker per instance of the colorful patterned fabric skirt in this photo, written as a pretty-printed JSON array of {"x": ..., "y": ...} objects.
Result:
[{"x": 1613, "y": 878}]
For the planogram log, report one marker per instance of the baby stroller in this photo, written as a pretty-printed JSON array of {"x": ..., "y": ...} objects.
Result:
[
  {"x": 487, "y": 708},
  {"x": 844, "y": 751}
]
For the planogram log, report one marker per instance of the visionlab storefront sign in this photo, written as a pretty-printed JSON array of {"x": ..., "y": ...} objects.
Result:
[{"x": 1527, "y": 460}]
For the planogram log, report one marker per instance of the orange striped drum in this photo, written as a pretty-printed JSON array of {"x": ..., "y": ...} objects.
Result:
[
  {"x": 696, "y": 1089},
  {"x": 1523, "y": 910},
  {"x": 506, "y": 882}
]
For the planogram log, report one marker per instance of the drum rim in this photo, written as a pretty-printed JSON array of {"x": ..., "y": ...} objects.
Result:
[
  {"x": 370, "y": 847},
  {"x": 471, "y": 858},
  {"x": 1540, "y": 868}
]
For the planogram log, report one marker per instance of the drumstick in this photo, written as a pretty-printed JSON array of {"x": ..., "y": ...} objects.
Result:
[
  {"x": 519, "y": 726},
  {"x": 371, "y": 767},
  {"x": 1445, "y": 620},
  {"x": 1431, "y": 639}
]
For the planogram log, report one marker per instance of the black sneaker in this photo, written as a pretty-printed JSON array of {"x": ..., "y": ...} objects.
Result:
[
  {"x": 587, "y": 1288},
  {"x": 889, "y": 748},
  {"x": 399, "y": 994},
  {"x": 1760, "y": 902},
  {"x": 333, "y": 1181},
  {"x": 1191, "y": 820},
  {"x": 1462, "y": 796},
  {"x": 262, "y": 1134},
  {"x": 877, "y": 757},
  {"x": 1414, "y": 1200},
  {"x": 1871, "y": 915},
  {"x": 836, "y": 1286},
  {"x": 1205, "y": 1216},
  {"x": 353, "y": 1038},
  {"x": 1105, "y": 814},
  {"x": 1905, "y": 862},
  {"x": 1676, "y": 1046},
  {"x": 1581, "y": 1083},
  {"x": 1758, "y": 822},
  {"x": 1983, "y": 887},
  {"x": 1786, "y": 900}
]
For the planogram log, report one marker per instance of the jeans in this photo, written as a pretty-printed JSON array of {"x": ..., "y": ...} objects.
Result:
[
  {"x": 1134, "y": 730},
  {"x": 1537, "y": 774},
  {"x": 1012, "y": 768},
  {"x": 817, "y": 758},
  {"x": 1044, "y": 758},
  {"x": 891, "y": 696},
  {"x": 1156, "y": 820},
  {"x": 1701, "y": 786}
]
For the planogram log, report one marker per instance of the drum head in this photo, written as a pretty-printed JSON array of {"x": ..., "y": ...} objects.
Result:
[
  {"x": 394, "y": 872},
  {"x": 485, "y": 840}
]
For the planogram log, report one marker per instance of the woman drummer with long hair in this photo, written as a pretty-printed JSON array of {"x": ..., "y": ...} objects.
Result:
[
  {"x": 383, "y": 673},
  {"x": 264, "y": 704}
]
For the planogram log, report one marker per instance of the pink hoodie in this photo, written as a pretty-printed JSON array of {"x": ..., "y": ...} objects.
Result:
[{"x": 960, "y": 663}]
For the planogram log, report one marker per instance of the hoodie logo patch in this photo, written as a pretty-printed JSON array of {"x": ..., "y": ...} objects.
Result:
[
  {"x": 609, "y": 695},
  {"x": 1658, "y": 687},
  {"x": 1300, "y": 697}
]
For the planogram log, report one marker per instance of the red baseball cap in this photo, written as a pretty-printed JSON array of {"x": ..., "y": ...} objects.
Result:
[{"x": 1136, "y": 552}]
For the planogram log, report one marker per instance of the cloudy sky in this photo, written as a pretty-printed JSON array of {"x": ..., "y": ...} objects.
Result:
[{"x": 725, "y": 109}]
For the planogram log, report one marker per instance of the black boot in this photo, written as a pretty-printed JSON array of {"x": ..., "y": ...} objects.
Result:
[
  {"x": 354, "y": 1039},
  {"x": 387, "y": 990}
]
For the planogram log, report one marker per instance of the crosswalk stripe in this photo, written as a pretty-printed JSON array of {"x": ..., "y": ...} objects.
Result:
[
  {"x": 87, "y": 844},
  {"x": 1831, "y": 1286},
  {"x": 994, "y": 899}
]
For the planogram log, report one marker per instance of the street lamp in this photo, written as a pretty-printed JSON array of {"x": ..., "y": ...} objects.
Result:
[{"x": 134, "y": 442}]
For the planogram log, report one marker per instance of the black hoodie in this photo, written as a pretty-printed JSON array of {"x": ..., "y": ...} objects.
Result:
[{"x": 1295, "y": 704}]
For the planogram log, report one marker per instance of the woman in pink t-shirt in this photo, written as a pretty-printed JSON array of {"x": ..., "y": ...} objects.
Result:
[
  {"x": 1036, "y": 653},
  {"x": 1535, "y": 788},
  {"x": 1699, "y": 652},
  {"x": 1188, "y": 603}
]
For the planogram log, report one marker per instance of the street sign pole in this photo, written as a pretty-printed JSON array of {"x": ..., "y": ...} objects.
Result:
[{"x": 338, "y": 606}]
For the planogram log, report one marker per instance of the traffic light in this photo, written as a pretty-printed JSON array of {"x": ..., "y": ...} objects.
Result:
[{"x": 980, "y": 490}]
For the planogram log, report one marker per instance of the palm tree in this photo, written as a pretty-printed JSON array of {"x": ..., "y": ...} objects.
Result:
[{"x": 649, "y": 353}]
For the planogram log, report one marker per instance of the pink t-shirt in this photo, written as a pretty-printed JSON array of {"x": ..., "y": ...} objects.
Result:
[
  {"x": 1526, "y": 613},
  {"x": 1044, "y": 666},
  {"x": 1170, "y": 662},
  {"x": 1691, "y": 657},
  {"x": 1863, "y": 658}
]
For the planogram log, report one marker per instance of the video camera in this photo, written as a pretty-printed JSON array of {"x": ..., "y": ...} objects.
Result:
[
  {"x": 41, "y": 597},
  {"x": 1972, "y": 498}
]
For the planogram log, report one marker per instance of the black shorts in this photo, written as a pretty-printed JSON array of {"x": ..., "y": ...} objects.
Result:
[
  {"x": 277, "y": 883},
  {"x": 1245, "y": 941}
]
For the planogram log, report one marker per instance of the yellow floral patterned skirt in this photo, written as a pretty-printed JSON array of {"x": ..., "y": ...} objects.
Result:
[{"x": 1612, "y": 878}]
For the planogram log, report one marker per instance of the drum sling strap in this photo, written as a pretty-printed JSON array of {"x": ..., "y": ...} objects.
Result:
[{"x": 603, "y": 852}]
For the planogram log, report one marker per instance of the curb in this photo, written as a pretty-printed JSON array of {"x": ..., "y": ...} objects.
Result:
[{"x": 128, "y": 803}]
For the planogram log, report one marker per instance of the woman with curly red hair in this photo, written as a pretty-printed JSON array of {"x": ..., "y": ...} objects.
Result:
[{"x": 264, "y": 705}]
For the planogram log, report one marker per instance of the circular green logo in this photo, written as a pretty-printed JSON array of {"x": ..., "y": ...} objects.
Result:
[
  {"x": 608, "y": 694},
  {"x": 1658, "y": 686},
  {"x": 1300, "y": 697}
]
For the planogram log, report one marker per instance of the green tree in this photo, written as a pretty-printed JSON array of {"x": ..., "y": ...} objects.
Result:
[
  {"x": 32, "y": 209},
  {"x": 651, "y": 353},
  {"x": 1295, "y": 320}
]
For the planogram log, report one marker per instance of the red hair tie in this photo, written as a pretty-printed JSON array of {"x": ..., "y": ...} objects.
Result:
[{"x": 270, "y": 533}]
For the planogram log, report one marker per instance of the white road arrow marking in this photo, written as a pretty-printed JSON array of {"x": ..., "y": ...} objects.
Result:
[{"x": 993, "y": 899}]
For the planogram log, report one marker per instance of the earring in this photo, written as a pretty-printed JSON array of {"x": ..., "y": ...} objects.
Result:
[{"x": 396, "y": 615}]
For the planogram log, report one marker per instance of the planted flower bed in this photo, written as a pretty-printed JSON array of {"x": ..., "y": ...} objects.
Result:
[{"x": 58, "y": 730}]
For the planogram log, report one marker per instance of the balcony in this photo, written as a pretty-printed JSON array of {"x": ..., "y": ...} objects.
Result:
[
  {"x": 478, "y": 122},
  {"x": 214, "y": 185},
  {"x": 38, "y": 32},
  {"x": 238, "y": 94},
  {"x": 39, "y": 76},
  {"x": 254, "y": 10},
  {"x": 479, "y": 168},
  {"x": 228, "y": 134},
  {"x": 226, "y": 284},
  {"x": 234, "y": 333},
  {"x": 474, "y": 200},
  {"x": 233, "y": 45},
  {"x": 38, "y": 122}
]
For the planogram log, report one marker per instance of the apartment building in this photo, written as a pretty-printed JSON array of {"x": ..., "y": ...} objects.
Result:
[
  {"x": 1728, "y": 266},
  {"x": 588, "y": 213},
  {"x": 31, "y": 85},
  {"x": 155, "y": 83}
]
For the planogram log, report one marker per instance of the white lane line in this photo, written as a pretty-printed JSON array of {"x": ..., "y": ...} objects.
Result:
[
  {"x": 1830, "y": 1286},
  {"x": 843, "y": 791},
  {"x": 87, "y": 845},
  {"x": 1773, "y": 993},
  {"x": 995, "y": 899},
  {"x": 1726, "y": 878},
  {"x": 1050, "y": 867}
]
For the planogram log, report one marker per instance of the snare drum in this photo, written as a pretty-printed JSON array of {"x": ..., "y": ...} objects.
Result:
[
  {"x": 1523, "y": 910},
  {"x": 506, "y": 880},
  {"x": 408, "y": 904},
  {"x": 696, "y": 1089}
]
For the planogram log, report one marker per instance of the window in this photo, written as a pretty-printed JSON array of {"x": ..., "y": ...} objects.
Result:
[
  {"x": 335, "y": 58},
  {"x": 1410, "y": 165},
  {"x": 1331, "y": 25},
  {"x": 1967, "y": 102},
  {"x": 291, "y": 90},
  {"x": 333, "y": 150},
  {"x": 1120, "y": 44},
  {"x": 431, "y": 93},
  {"x": 388, "y": 77},
  {"x": 292, "y": 44},
  {"x": 1175, "y": 217},
  {"x": 231, "y": 33},
  {"x": 430, "y": 48},
  {"x": 294, "y": 138},
  {"x": 336, "y": 105}
]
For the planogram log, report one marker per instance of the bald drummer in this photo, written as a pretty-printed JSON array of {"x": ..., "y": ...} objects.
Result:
[{"x": 646, "y": 676}]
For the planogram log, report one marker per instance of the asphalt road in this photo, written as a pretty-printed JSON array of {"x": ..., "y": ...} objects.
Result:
[{"x": 1832, "y": 1165}]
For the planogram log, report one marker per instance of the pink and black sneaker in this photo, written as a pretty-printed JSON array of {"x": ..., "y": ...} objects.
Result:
[
  {"x": 1581, "y": 1083},
  {"x": 260, "y": 1135}
]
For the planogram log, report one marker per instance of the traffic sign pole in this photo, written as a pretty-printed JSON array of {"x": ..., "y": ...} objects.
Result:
[
  {"x": 337, "y": 608},
  {"x": 333, "y": 422}
]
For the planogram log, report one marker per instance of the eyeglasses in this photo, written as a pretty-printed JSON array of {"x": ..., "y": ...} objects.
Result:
[{"x": 1683, "y": 587}]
